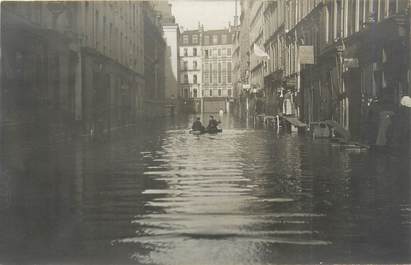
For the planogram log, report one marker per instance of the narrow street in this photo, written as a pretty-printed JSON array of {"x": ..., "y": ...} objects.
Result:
[
  {"x": 109, "y": 153},
  {"x": 164, "y": 196}
]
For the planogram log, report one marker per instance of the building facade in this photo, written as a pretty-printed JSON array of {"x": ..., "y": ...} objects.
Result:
[
  {"x": 236, "y": 60},
  {"x": 333, "y": 60},
  {"x": 154, "y": 62},
  {"x": 217, "y": 87},
  {"x": 84, "y": 67},
  {"x": 256, "y": 26},
  {"x": 206, "y": 69},
  {"x": 296, "y": 14},
  {"x": 33, "y": 87},
  {"x": 190, "y": 65},
  {"x": 111, "y": 46},
  {"x": 359, "y": 51},
  {"x": 171, "y": 33},
  {"x": 274, "y": 44},
  {"x": 172, "y": 65},
  {"x": 245, "y": 98},
  {"x": 251, "y": 35}
]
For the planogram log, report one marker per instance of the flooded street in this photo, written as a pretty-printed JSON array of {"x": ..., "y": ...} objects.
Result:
[{"x": 164, "y": 196}]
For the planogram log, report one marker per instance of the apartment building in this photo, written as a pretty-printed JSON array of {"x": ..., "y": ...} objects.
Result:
[
  {"x": 217, "y": 70},
  {"x": 206, "y": 69},
  {"x": 190, "y": 65}
]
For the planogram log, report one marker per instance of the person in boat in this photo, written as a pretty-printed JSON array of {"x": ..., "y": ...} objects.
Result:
[
  {"x": 197, "y": 125},
  {"x": 212, "y": 124}
]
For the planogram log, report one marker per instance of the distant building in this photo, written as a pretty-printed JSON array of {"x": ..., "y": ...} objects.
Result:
[
  {"x": 206, "y": 63},
  {"x": 217, "y": 70},
  {"x": 190, "y": 65},
  {"x": 164, "y": 10}
]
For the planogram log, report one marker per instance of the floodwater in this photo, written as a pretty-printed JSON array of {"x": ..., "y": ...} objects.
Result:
[{"x": 163, "y": 196}]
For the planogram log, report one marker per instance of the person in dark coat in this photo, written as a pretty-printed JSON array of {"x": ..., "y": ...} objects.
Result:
[
  {"x": 197, "y": 125},
  {"x": 212, "y": 124}
]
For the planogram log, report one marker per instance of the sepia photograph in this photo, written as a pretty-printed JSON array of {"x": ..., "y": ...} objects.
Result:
[{"x": 205, "y": 132}]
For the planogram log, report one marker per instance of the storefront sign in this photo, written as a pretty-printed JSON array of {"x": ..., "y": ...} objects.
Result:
[
  {"x": 351, "y": 63},
  {"x": 306, "y": 54},
  {"x": 291, "y": 82}
]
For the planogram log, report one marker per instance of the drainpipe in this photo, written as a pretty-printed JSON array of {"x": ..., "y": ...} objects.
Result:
[
  {"x": 409, "y": 74},
  {"x": 340, "y": 68},
  {"x": 1, "y": 80}
]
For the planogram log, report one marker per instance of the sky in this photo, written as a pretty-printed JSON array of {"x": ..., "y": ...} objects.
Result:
[{"x": 213, "y": 14}]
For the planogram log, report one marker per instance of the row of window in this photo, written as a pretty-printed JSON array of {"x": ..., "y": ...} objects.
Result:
[
  {"x": 206, "y": 93},
  {"x": 193, "y": 54},
  {"x": 217, "y": 73},
  {"x": 186, "y": 81},
  {"x": 114, "y": 38},
  {"x": 195, "y": 39},
  {"x": 215, "y": 39},
  {"x": 214, "y": 52},
  {"x": 185, "y": 65},
  {"x": 275, "y": 50},
  {"x": 344, "y": 18},
  {"x": 339, "y": 19},
  {"x": 212, "y": 73},
  {"x": 297, "y": 10}
]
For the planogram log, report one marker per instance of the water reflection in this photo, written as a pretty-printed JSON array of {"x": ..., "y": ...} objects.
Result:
[{"x": 160, "y": 195}]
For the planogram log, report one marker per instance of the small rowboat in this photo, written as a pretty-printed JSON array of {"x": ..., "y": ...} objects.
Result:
[{"x": 206, "y": 131}]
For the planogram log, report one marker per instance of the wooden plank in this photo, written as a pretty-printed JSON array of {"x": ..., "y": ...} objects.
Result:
[
  {"x": 339, "y": 129},
  {"x": 296, "y": 122}
]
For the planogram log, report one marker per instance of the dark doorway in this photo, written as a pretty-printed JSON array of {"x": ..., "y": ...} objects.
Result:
[{"x": 352, "y": 81}]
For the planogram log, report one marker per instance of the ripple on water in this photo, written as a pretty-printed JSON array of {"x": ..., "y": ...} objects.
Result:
[
  {"x": 251, "y": 197},
  {"x": 215, "y": 193}
]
